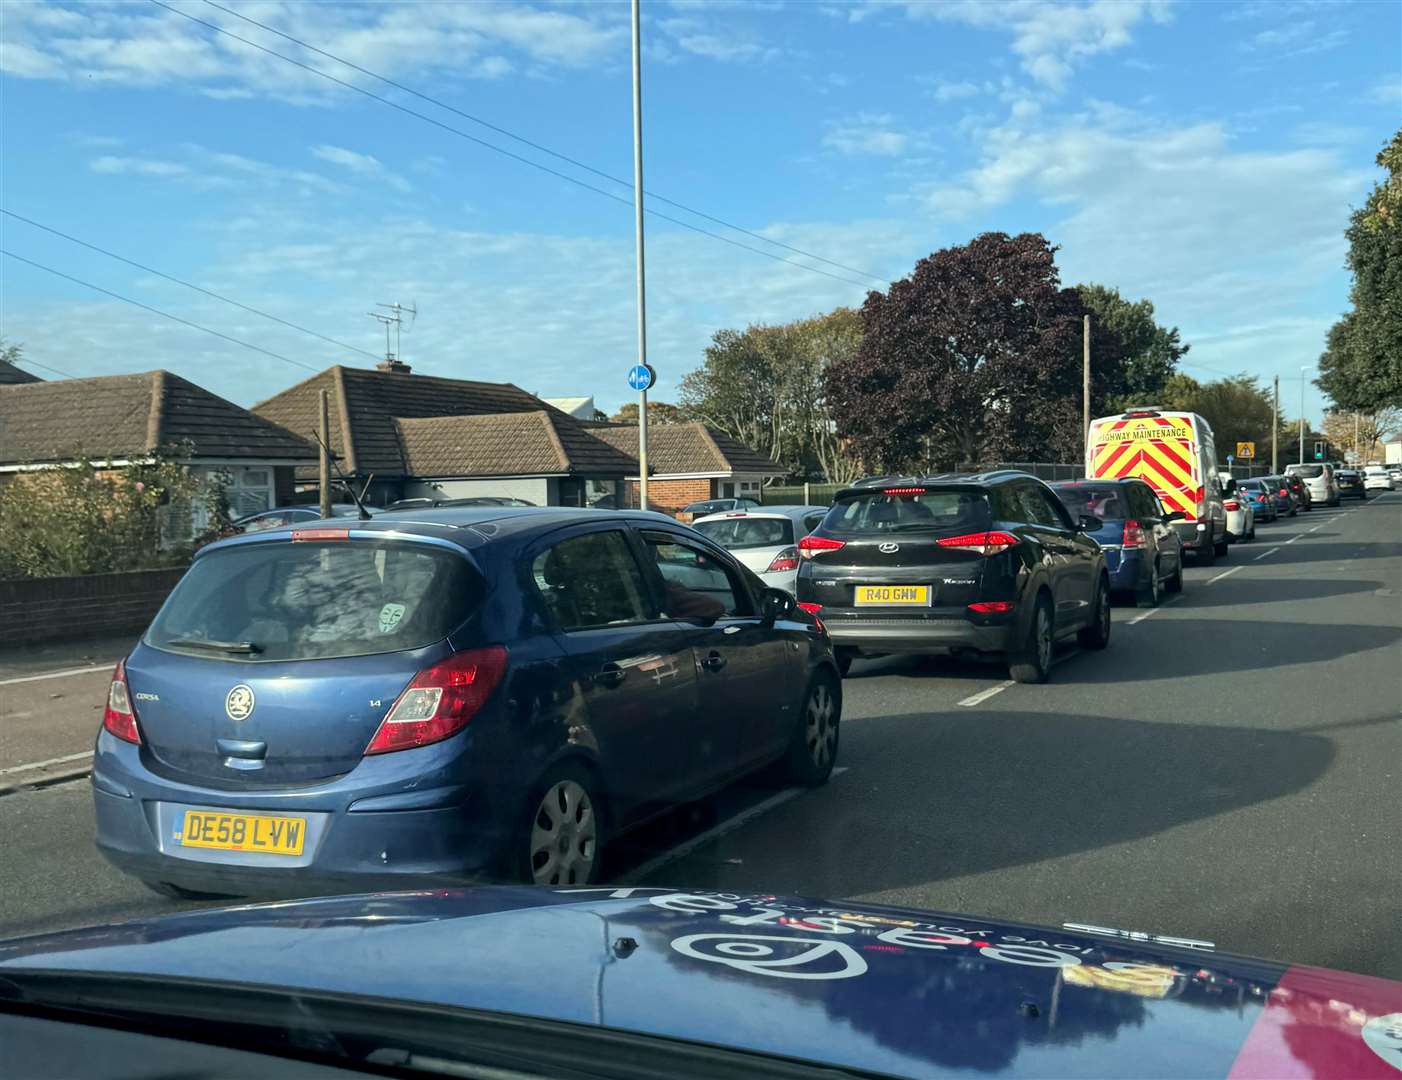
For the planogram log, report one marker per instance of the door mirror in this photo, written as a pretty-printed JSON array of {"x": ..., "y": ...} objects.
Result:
[
  {"x": 1087, "y": 523},
  {"x": 1173, "y": 515},
  {"x": 775, "y": 604}
]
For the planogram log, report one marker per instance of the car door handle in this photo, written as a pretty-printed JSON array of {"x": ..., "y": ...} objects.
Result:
[
  {"x": 610, "y": 675},
  {"x": 242, "y": 748},
  {"x": 713, "y": 661}
]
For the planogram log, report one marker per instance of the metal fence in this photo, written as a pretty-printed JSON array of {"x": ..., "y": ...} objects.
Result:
[{"x": 800, "y": 494}]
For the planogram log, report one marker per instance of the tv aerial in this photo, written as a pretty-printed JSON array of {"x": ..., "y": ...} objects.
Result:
[{"x": 395, "y": 319}]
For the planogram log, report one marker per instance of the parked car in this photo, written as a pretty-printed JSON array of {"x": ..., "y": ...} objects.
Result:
[
  {"x": 1299, "y": 492},
  {"x": 295, "y": 515},
  {"x": 1351, "y": 483},
  {"x": 1241, "y": 518},
  {"x": 1319, "y": 478},
  {"x": 652, "y": 983},
  {"x": 1143, "y": 552},
  {"x": 1376, "y": 478},
  {"x": 1261, "y": 495},
  {"x": 988, "y": 562},
  {"x": 1280, "y": 494},
  {"x": 716, "y": 506},
  {"x": 425, "y": 503},
  {"x": 765, "y": 540},
  {"x": 470, "y": 693}
]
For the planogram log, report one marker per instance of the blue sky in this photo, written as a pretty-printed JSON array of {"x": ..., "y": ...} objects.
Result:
[{"x": 1203, "y": 155}]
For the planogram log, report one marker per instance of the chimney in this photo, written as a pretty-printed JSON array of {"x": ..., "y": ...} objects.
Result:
[{"x": 389, "y": 364}]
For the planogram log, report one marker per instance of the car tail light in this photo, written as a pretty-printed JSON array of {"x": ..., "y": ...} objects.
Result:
[
  {"x": 984, "y": 543},
  {"x": 811, "y": 546},
  {"x": 299, "y": 535},
  {"x": 1134, "y": 534},
  {"x": 1231, "y": 504},
  {"x": 120, "y": 717},
  {"x": 440, "y": 700},
  {"x": 785, "y": 560},
  {"x": 992, "y": 607},
  {"x": 812, "y": 609}
]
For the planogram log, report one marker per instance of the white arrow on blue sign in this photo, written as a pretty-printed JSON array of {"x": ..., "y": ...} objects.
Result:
[{"x": 640, "y": 376}]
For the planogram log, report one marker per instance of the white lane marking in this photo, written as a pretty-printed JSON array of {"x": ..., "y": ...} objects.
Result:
[
  {"x": 983, "y": 695},
  {"x": 729, "y": 825},
  {"x": 1152, "y": 611},
  {"x": 1293, "y": 539},
  {"x": 40, "y": 764},
  {"x": 1226, "y": 573},
  {"x": 1313, "y": 527},
  {"x": 59, "y": 674},
  {"x": 1263, "y": 554}
]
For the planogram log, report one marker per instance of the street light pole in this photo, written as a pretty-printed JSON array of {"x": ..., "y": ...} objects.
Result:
[
  {"x": 1275, "y": 428},
  {"x": 638, "y": 246},
  {"x": 1302, "y": 413}
]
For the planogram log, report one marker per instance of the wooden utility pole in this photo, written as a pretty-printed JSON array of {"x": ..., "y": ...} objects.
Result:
[
  {"x": 324, "y": 426},
  {"x": 1275, "y": 430},
  {"x": 1085, "y": 380},
  {"x": 638, "y": 247}
]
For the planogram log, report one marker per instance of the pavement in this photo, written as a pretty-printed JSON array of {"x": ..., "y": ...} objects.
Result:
[{"x": 1229, "y": 769}]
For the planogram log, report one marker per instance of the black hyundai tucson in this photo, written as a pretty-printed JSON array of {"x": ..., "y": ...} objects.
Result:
[{"x": 988, "y": 563}]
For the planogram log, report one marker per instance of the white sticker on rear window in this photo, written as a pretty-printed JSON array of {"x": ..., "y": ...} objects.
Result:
[{"x": 390, "y": 615}]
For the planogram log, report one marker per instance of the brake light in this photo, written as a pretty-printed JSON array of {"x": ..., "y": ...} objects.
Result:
[
  {"x": 903, "y": 491},
  {"x": 785, "y": 560},
  {"x": 440, "y": 700},
  {"x": 992, "y": 607},
  {"x": 1134, "y": 534},
  {"x": 119, "y": 717},
  {"x": 1231, "y": 504},
  {"x": 812, "y": 609},
  {"x": 984, "y": 543},
  {"x": 320, "y": 534},
  {"x": 1284, "y": 491},
  {"x": 811, "y": 546}
]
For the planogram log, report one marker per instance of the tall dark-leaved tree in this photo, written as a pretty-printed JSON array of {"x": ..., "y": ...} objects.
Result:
[
  {"x": 973, "y": 357},
  {"x": 1151, "y": 351}
]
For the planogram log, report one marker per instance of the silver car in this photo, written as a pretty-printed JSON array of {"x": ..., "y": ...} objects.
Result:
[
  {"x": 765, "y": 540},
  {"x": 1318, "y": 476},
  {"x": 1241, "y": 518}
]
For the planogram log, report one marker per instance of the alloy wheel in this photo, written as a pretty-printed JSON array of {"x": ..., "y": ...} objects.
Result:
[
  {"x": 1044, "y": 639},
  {"x": 564, "y": 836},
  {"x": 821, "y": 733}
]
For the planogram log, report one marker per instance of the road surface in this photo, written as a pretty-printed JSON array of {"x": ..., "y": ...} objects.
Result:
[{"x": 1228, "y": 769}]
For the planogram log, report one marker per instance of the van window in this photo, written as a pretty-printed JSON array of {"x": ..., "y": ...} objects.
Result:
[
  {"x": 309, "y": 601},
  {"x": 1309, "y": 472}
]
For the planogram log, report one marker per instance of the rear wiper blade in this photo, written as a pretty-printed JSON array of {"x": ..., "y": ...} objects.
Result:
[{"x": 245, "y": 647}]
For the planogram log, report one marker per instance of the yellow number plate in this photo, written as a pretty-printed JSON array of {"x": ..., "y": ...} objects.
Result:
[
  {"x": 244, "y": 832},
  {"x": 893, "y": 594}
]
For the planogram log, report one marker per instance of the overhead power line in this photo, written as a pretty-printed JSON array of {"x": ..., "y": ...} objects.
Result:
[
  {"x": 187, "y": 284},
  {"x": 538, "y": 146},
  {"x": 501, "y": 150},
  {"x": 155, "y": 311},
  {"x": 35, "y": 363}
]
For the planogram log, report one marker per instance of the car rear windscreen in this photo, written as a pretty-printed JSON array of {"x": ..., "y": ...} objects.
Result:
[
  {"x": 1309, "y": 472},
  {"x": 738, "y": 533},
  {"x": 307, "y": 600},
  {"x": 908, "y": 511},
  {"x": 1105, "y": 503}
]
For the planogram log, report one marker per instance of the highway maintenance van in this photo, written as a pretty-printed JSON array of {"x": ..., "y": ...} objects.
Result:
[{"x": 1174, "y": 453}]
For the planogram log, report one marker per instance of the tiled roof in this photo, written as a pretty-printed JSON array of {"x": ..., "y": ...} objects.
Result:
[
  {"x": 674, "y": 449},
  {"x": 119, "y": 415},
  {"x": 540, "y": 443},
  {"x": 368, "y": 403},
  {"x": 10, "y": 375}
]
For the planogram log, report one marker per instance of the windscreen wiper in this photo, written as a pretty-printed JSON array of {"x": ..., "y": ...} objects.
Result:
[{"x": 247, "y": 648}]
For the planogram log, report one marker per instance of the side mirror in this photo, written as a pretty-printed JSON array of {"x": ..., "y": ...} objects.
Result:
[
  {"x": 1173, "y": 515},
  {"x": 775, "y": 604},
  {"x": 1087, "y": 523}
]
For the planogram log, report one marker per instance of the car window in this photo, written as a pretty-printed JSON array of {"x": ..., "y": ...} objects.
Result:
[
  {"x": 306, "y": 601},
  {"x": 909, "y": 510},
  {"x": 1106, "y": 502},
  {"x": 1144, "y": 502},
  {"x": 737, "y": 533},
  {"x": 1037, "y": 509},
  {"x": 695, "y": 583},
  {"x": 592, "y": 580},
  {"x": 811, "y": 522}
]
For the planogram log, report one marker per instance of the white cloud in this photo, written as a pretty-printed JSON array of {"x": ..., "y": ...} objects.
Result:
[
  {"x": 1050, "y": 37},
  {"x": 110, "y": 43},
  {"x": 1386, "y": 91},
  {"x": 360, "y": 164},
  {"x": 953, "y": 91},
  {"x": 111, "y": 165},
  {"x": 1290, "y": 39},
  {"x": 205, "y": 169},
  {"x": 726, "y": 43},
  {"x": 868, "y": 134}
]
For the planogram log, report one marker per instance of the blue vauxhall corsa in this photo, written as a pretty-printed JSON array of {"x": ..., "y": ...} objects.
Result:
[{"x": 464, "y": 693}]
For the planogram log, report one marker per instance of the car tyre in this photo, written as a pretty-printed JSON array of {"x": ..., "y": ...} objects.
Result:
[
  {"x": 1097, "y": 634},
  {"x": 561, "y": 836},
  {"x": 1175, "y": 583},
  {"x": 844, "y": 656},
  {"x": 1151, "y": 595},
  {"x": 1219, "y": 549},
  {"x": 1207, "y": 552},
  {"x": 1031, "y": 663},
  {"x": 813, "y": 748}
]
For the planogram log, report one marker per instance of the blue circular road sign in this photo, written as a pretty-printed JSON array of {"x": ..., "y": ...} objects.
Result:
[{"x": 640, "y": 376}]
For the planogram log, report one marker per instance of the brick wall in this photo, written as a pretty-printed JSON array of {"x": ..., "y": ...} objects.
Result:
[
  {"x": 51, "y": 609},
  {"x": 669, "y": 496}
]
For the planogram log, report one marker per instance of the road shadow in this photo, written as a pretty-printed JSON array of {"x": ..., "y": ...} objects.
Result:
[
  {"x": 1240, "y": 591},
  {"x": 1354, "y": 551},
  {"x": 936, "y": 666}
]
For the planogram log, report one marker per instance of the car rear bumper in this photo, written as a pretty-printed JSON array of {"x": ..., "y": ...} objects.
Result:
[
  {"x": 440, "y": 834},
  {"x": 877, "y": 635}
]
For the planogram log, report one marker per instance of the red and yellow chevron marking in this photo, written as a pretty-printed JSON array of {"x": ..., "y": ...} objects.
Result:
[{"x": 1157, "y": 450}]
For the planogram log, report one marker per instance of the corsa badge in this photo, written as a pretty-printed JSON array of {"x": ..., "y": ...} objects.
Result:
[{"x": 239, "y": 704}]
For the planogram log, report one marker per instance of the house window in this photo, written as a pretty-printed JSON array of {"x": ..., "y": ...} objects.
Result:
[
  {"x": 250, "y": 490},
  {"x": 749, "y": 486},
  {"x": 571, "y": 491}
]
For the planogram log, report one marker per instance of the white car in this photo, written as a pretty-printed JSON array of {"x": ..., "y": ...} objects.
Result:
[
  {"x": 765, "y": 540},
  {"x": 1319, "y": 478},
  {"x": 1376, "y": 478},
  {"x": 1241, "y": 518}
]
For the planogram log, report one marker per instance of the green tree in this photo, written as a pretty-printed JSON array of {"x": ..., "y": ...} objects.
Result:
[
  {"x": 1361, "y": 367},
  {"x": 1150, "y": 351},
  {"x": 658, "y": 412},
  {"x": 1236, "y": 408}
]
